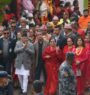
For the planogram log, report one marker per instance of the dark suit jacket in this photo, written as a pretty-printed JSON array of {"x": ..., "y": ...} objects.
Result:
[
  {"x": 61, "y": 42},
  {"x": 36, "y": 46},
  {"x": 24, "y": 55},
  {"x": 11, "y": 47}
]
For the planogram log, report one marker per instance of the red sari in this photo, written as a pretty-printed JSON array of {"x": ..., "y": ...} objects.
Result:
[
  {"x": 52, "y": 67},
  {"x": 67, "y": 49},
  {"x": 81, "y": 56},
  {"x": 88, "y": 65},
  {"x": 81, "y": 32}
]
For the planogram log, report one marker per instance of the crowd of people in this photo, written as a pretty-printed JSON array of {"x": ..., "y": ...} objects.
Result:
[{"x": 47, "y": 43}]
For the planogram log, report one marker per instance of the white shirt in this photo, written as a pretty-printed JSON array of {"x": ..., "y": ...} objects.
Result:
[{"x": 22, "y": 71}]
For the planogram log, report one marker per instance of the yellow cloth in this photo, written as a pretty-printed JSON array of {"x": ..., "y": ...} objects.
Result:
[
  {"x": 53, "y": 25},
  {"x": 61, "y": 21},
  {"x": 50, "y": 5},
  {"x": 51, "y": 9}
]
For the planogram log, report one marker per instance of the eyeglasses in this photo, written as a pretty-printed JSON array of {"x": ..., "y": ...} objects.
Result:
[
  {"x": 6, "y": 33},
  {"x": 12, "y": 26}
]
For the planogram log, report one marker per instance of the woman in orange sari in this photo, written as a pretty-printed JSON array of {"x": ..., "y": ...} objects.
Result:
[
  {"x": 52, "y": 57},
  {"x": 81, "y": 63}
]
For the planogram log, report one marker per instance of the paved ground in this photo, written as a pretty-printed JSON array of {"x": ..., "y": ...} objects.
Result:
[{"x": 16, "y": 91}]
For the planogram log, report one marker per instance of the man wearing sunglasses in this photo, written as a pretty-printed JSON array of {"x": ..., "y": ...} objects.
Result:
[
  {"x": 13, "y": 31},
  {"x": 6, "y": 51}
]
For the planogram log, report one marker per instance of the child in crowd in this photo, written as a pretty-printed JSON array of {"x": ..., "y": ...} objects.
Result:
[{"x": 37, "y": 85}]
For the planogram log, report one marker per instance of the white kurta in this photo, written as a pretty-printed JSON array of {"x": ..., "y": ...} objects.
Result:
[{"x": 22, "y": 71}]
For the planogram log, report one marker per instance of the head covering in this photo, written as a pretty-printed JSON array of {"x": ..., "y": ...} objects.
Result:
[
  {"x": 55, "y": 18},
  {"x": 67, "y": 26},
  {"x": 49, "y": 24},
  {"x": 30, "y": 15},
  {"x": 23, "y": 19},
  {"x": 43, "y": 27},
  {"x": 26, "y": 11}
]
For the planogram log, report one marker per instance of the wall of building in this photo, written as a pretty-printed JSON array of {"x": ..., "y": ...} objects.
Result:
[{"x": 81, "y": 5}]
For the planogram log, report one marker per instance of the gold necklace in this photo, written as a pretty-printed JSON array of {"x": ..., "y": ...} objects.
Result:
[{"x": 79, "y": 50}]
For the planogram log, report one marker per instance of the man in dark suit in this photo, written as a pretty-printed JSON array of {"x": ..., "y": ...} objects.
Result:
[
  {"x": 39, "y": 46},
  {"x": 59, "y": 37},
  {"x": 6, "y": 51},
  {"x": 13, "y": 31}
]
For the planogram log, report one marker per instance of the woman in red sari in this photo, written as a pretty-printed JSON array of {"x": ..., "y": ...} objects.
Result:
[
  {"x": 87, "y": 44},
  {"x": 69, "y": 47},
  {"x": 52, "y": 57},
  {"x": 81, "y": 63}
]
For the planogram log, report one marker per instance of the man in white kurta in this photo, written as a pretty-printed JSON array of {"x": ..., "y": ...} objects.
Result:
[{"x": 24, "y": 50}]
